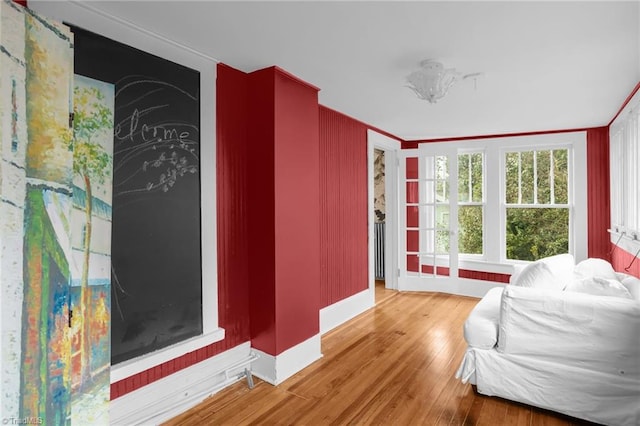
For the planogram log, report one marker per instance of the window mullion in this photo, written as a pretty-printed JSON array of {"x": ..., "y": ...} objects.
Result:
[
  {"x": 535, "y": 177},
  {"x": 469, "y": 183},
  {"x": 552, "y": 191}
]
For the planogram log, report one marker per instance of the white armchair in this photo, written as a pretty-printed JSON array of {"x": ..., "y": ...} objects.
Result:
[{"x": 563, "y": 350}]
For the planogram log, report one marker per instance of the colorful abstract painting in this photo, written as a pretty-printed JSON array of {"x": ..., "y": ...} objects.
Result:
[
  {"x": 42, "y": 194},
  {"x": 90, "y": 290},
  {"x": 55, "y": 228},
  {"x": 12, "y": 194}
]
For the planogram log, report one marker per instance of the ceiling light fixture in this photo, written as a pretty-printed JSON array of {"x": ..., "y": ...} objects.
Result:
[{"x": 432, "y": 81}]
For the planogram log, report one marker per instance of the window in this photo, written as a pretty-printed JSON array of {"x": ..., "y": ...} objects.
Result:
[
  {"x": 519, "y": 198},
  {"x": 470, "y": 203},
  {"x": 625, "y": 175},
  {"x": 537, "y": 203}
]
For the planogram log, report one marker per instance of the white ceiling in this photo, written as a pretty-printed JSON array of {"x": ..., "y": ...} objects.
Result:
[{"x": 546, "y": 65}]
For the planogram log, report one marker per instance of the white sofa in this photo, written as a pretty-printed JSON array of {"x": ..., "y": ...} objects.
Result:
[{"x": 558, "y": 347}]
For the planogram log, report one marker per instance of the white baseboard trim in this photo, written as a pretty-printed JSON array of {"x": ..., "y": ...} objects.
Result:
[
  {"x": 460, "y": 286},
  {"x": 344, "y": 310},
  {"x": 275, "y": 369},
  {"x": 172, "y": 395}
]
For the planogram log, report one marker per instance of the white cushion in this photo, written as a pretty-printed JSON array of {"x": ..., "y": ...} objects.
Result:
[
  {"x": 599, "y": 286},
  {"x": 594, "y": 267},
  {"x": 561, "y": 265},
  {"x": 631, "y": 283},
  {"x": 539, "y": 275},
  {"x": 517, "y": 269},
  {"x": 481, "y": 327}
]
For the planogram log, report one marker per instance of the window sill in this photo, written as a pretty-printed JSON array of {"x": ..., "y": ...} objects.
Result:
[
  {"x": 137, "y": 365},
  {"x": 486, "y": 266}
]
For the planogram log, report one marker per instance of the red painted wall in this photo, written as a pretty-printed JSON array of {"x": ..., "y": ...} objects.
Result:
[
  {"x": 233, "y": 286},
  {"x": 598, "y": 199},
  {"x": 284, "y": 216},
  {"x": 484, "y": 276},
  {"x": 232, "y": 204},
  {"x": 261, "y": 215},
  {"x": 297, "y": 210},
  {"x": 343, "y": 207},
  {"x": 621, "y": 260}
]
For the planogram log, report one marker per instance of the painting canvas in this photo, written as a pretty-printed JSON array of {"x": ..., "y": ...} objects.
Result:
[
  {"x": 54, "y": 197},
  {"x": 12, "y": 191},
  {"x": 37, "y": 59},
  {"x": 90, "y": 292}
]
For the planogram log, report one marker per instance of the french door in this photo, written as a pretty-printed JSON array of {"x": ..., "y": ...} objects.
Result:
[{"x": 428, "y": 198}]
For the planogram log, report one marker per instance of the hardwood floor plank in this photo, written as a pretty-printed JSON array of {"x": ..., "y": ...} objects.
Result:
[
  {"x": 393, "y": 365},
  {"x": 427, "y": 383},
  {"x": 517, "y": 414},
  {"x": 493, "y": 413},
  {"x": 461, "y": 405},
  {"x": 260, "y": 401},
  {"x": 475, "y": 410}
]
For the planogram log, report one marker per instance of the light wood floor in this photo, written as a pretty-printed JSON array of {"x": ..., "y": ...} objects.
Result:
[{"x": 392, "y": 365}]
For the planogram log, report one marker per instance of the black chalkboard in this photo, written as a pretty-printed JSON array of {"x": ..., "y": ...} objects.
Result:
[{"x": 156, "y": 282}]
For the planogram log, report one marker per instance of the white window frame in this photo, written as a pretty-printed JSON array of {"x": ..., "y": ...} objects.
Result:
[
  {"x": 494, "y": 257},
  {"x": 576, "y": 143},
  {"x": 482, "y": 204},
  {"x": 569, "y": 205},
  {"x": 624, "y": 157}
]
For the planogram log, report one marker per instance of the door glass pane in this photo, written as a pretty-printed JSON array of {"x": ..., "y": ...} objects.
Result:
[
  {"x": 442, "y": 271},
  {"x": 412, "y": 168},
  {"x": 429, "y": 165},
  {"x": 439, "y": 270},
  {"x": 412, "y": 192},
  {"x": 470, "y": 229},
  {"x": 442, "y": 167},
  {"x": 442, "y": 216},
  {"x": 442, "y": 191},
  {"x": 442, "y": 242},
  {"x": 413, "y": 242},
  {"x": 428, "y": 241},
  {"x": 412, "y": 216},
  {"x": 413, "y": 264},
  {"x": 428, "y": 191},
  {"x": 428, "y": 217}
]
